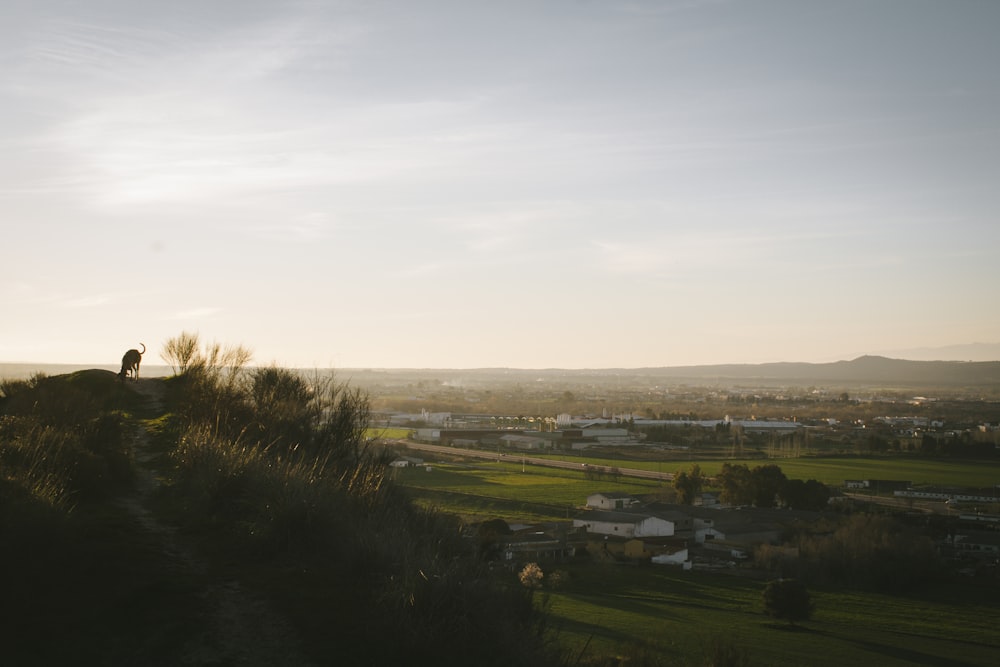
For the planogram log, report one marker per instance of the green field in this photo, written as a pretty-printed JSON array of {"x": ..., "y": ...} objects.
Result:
[
  {"x": 832, "y": 471},
  {"x": 483, "y": 489},
  {"x": 388, "y": 432},
  {"x": 486, "y": 489},
  {"x": 671, "y": 612},
  {"x": 603, "y": 610}
]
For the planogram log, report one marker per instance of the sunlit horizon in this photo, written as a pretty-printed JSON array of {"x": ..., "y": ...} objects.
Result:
[{"x": 959, "y": 353}]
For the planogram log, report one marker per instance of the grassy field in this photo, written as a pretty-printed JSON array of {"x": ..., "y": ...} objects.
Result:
[
  {"x": 832, "y": 471},
  {"x": 486, "y": 489},
  {"x": 603, "y": 610},
  {"x": 388, "y": 432},
  {"x": 608, "y": 609}
]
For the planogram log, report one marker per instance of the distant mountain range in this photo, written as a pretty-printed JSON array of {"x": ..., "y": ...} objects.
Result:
[
  {"x": 869, "y": 370},
  {"x": 966, "y": 352}
]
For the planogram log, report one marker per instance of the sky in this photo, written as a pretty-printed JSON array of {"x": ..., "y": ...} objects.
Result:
[{"x": 468, "y": 184}]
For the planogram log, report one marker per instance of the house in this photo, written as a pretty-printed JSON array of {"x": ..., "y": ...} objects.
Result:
[
  {"x": 683, "y": 523},
  {"x": 406, "y": 462},
  {"x": 660, "y": 550},
  {"x": 728, "y": 533},
  {"x": 878, "y": 485},
  {"x": 541, "y": 544},
  {"x": 427, "y": 434},
  {"x": 610, "y": 501},
  {"x": 623, "y": 524},
  {"x": 589, "y": 435},
  {"x": 605, "y": 434},
  {"x": 978, "y": 543},
  {"x": 707, "y": 499},
  {"x": 678, "y": 558}
]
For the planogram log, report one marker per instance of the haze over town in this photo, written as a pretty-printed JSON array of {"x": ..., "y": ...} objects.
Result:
[{"x": 470, "y": 184}]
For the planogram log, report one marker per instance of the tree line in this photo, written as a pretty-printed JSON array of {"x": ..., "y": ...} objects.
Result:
[{"x": 761, "y": 486}]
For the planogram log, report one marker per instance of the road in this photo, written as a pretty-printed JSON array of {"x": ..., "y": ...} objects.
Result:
[
  {"x": 530, "y": 460},
  {"x": 926, "y": 506}
]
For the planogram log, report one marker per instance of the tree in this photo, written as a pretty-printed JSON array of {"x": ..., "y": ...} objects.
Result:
[
  {"x": 787, "y": 599},
  {"x": 804, "y": 495},
  {"x": 766, "y": 482},
  {"x": 735, "y": 483},
  {"x": 489, "y": 536},
  {"x": 817, "y": 495},
  {"x": 688, "y": 485},
  {"x": 872, "y": 552},
  {"x": 283, "y": 406}
]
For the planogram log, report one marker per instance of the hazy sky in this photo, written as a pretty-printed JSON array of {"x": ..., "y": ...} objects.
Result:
[{"x": 587, "y": 183}]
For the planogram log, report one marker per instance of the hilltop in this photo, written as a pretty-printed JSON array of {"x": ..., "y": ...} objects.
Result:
[{"x": 230, "y": 517}]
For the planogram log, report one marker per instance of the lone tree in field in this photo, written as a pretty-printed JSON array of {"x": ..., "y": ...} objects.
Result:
[{"x": 787, "y": 599}]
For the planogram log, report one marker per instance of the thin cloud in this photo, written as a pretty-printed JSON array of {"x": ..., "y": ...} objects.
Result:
[
  {"x": 308, "y": 227},
  {"x": 90, "y": 301},
  {"x": 194, "y": 314}
]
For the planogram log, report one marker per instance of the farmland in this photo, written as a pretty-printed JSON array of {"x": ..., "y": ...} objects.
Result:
[
  {"x": 668, "y": 616},
  {"x": 486, "y": 489},
  {"x": 668, "y": 612},
  {"x": 832, "y": 470}
]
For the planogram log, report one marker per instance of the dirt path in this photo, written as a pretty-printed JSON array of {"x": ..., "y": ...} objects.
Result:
[{"x": 239, "y": 627}]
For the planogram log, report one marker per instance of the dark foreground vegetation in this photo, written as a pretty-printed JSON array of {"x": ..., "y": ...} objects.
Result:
[{"x": 266, "y": 483}]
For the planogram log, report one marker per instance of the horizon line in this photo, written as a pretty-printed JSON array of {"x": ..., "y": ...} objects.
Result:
[{"x": 527, "y": 368}]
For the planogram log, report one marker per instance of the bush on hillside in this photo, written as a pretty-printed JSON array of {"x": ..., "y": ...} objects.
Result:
[
  {"x": 63, "y": 437},
  {"x": 276, "y": 469},
  {"x": 787, "y": 599}
]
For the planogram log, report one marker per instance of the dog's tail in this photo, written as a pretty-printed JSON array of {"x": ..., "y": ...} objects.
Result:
[{"x": 143, "y": 349}]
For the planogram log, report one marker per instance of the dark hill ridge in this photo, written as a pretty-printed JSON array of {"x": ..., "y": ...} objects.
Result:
[
  {"x": 866, "y": 370},
  {"x": 863, "y": 370}
]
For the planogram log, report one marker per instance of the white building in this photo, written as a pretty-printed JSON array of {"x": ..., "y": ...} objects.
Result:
[
  {"x": 610, "y": 501},
  {"x": 623, "y": 524}
]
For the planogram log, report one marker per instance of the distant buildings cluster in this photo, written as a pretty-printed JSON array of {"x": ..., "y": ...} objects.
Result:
[{"x": 618, "y": 527}]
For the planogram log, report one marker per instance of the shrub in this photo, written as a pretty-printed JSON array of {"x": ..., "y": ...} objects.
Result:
[
  {"x": 787, "y": 599},
  {"x": 531, "y": 576},
  {"x": 60, "y": 441},
  {"x": 277, "y": 469},
  {"x": 180, "y": 352}
]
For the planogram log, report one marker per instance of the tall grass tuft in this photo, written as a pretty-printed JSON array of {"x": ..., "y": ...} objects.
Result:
[
  {"x": 63, "y": 438},
  {"x": 30, "y": 460},
  {"x": 277, "y": 469}
]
